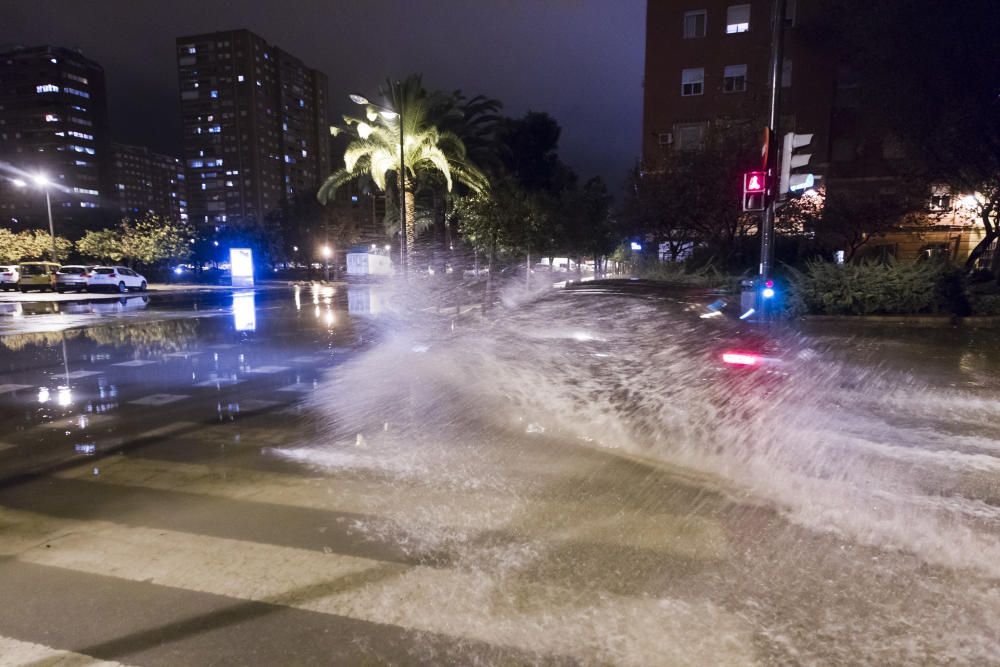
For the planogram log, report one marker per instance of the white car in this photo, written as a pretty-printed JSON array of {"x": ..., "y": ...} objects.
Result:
[
  {"x": 115, "y": 278},
  {"x": 72, "y": 277},
  {"x": 9, "y": 275}
]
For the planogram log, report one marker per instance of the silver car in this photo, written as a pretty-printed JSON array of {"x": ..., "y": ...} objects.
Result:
[{"x": 72, "y": 277}]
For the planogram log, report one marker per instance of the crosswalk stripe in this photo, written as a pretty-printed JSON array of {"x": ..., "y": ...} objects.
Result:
[
  {"x": 16, "y": 652},
  {"x": 419, "y": 506},
  {"x": 493, "y": 605}
]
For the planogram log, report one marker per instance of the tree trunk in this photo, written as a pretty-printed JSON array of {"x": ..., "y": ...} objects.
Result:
[
  {"x": 992, "y": 233},
  {"x": 410, "y": 203}
]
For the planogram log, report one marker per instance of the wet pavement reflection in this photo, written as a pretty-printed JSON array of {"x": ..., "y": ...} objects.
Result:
[{"x": 307, "y": 476}]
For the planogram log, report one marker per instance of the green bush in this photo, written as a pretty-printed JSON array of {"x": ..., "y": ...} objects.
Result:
[{"x": 869, "y": 288}]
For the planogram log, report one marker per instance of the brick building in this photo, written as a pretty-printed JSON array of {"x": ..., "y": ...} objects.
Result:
[{"x": 707, "y": 67}]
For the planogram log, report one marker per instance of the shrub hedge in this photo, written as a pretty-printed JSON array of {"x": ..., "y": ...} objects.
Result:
[{"x": 870, "y": 288}]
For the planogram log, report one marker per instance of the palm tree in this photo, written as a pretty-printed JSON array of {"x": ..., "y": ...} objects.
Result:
[{"x": 375, "y": 151}]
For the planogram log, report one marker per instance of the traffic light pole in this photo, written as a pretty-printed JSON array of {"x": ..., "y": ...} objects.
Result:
[{"x": 767, "y": 219}]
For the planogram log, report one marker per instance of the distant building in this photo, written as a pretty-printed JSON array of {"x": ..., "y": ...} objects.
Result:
[
  {"x": 255, "y": 126},
  {"x": 707, "y": 67},
  {"x": 54, "y": 121},
  {"x": 144, "y": 181}
]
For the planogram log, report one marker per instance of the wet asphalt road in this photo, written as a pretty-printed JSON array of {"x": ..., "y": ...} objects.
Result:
[{"x": 173, "y": 490}]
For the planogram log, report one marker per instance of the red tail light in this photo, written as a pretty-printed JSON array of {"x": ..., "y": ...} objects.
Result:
[{"x": 740, "y": 358}]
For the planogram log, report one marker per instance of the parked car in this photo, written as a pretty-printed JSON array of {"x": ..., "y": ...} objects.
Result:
[
  {"x": 72, "y": 277},
  {"x": 37, "y": 275},
  {"x": 115, "y": 278},
  {"x": 9, "y": 275}
]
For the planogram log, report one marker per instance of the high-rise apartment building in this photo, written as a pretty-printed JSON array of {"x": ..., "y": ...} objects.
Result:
[
  {"x": 53, "y": 121},
  {"x": 144, "y": 181},
  {"x": 255, "y": 126}
]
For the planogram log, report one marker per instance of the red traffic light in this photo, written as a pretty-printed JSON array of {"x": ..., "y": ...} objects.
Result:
[
  {"x": 754, "y": 181},
  {"x": 768, "y": 283}
]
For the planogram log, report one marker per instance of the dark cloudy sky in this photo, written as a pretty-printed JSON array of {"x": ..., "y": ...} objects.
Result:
[{"x": 580, "y": 60}]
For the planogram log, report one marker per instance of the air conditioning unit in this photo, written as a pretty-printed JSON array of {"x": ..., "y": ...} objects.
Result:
[{"x": 666, "y": 138}]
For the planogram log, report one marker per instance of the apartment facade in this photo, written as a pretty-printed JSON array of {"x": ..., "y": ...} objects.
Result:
[
  {"x": 53, "y": 121},
  {"x": 255, "y": 129},
  {"x": 707, "y": 67},
  {"x": 148, "y": 182}
]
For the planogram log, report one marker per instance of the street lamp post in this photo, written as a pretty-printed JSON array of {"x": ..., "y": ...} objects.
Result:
[
  {"x": 389, "y": 114},
  {"x": 43, "y": 182},
  {"x": 326, "y": 262}
]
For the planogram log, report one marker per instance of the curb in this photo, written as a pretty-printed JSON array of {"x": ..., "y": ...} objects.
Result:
[{"x": 975, "y": 321}]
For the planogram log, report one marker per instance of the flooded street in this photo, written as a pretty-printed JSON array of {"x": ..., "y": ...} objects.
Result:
[{"x": 338, "y": 476}]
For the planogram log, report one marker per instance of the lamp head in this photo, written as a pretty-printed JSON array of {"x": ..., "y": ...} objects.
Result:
[{"x": 358, "y": 99}]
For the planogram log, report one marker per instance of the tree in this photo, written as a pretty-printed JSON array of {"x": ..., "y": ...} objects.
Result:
[
  {"x": 32, "y": 244},
  {"x": 930, "y": 82},
  {"x": 146, "y": 240},
  {"x": 694, "y": 199},
  {"x": 375, "y": 150},
  {"x": 588, "y": 226}
]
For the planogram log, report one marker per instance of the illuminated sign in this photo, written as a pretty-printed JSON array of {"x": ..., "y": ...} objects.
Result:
[{"x": 241, "y": 267}]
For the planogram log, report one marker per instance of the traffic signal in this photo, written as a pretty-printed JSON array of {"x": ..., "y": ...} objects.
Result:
[
  {"x": 790, "y": 182},
  {"x": 754, "y": 190}
]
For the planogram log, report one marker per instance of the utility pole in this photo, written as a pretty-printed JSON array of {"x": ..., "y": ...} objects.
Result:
[{"x": 767, "y": 221}]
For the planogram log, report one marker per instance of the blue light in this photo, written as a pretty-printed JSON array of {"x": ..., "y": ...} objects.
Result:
[
  {"x": 636, "y": 246},
  {"x": 768, "y": 292}
]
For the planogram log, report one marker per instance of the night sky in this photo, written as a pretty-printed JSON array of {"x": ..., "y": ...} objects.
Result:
[{"x": 579, "y": 60}]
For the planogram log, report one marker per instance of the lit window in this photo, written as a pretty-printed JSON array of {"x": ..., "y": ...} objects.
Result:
[
  {"x": 737, "y": 19},
  {"x": 195, "y": 164},
  {"x": 940, "y": 201},
  {"x": 192, "y": 49},
  {"x": 258, "y": 82},
  {"x": 734, "y": 79},
  {"x": 214, "y": 93},
  {"x": 693, "y": 81},
  {"x": 51, "y": 118},
  {"x": 786, "y": 73},
  {"x": 229, "y": 184},
  {"x": 80, "y": 135},
  {"x": 85, "y": 191},
  {"x": 204, "y": 186},
  {"x": 284, "y": 126},
  {"x": 74, "y": 77},
  {"x": 240, "y": 78},
  {"x": 88, "y": 204},
  {"x": 197, "y": 130},
  {"x": 304, "y": 152},
  {"x": 302, "y": 104},
  {"x": 74, "y": 91},
  {"x": 53, "y": 61},
  {"x": 694, "y": 24},
  {"x": 47, "y": 88},
  {"x": 215, "y": 129}
]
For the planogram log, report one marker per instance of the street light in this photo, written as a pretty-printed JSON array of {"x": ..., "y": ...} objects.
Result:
[
  {"x": 390, "y": 114},
  {"x": 326, "y": 261},
  {"x": 42, "y": 181}
]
